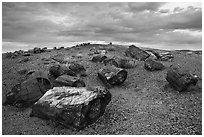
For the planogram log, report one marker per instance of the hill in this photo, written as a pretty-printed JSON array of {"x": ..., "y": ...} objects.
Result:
[{"x": 143, "y": 104}]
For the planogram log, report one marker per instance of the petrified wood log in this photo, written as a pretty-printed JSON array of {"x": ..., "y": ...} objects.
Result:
[
  {"x": 29, "y": 91},
  {"x": 72, "y": 107},
  {"x": 112, "y": 76},
  {"x": 153, "y": 65},
  {"x": 179, "y": 80},
  {"x": 136, "y": 53}
]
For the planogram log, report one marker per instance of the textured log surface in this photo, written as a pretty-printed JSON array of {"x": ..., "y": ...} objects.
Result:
[
  {"x": 136, "y": 53},
  {"x": 30, "y": 90},
  {"x": 153, "y": 65},
  {"x": 72, "y": 107},
  {"x": 112, "y": 76},
  {"x": 179, "y": 80}
]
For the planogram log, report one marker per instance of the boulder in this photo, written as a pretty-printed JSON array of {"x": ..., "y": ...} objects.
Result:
[
  {"x": 136, "y": 53},
  {"x": 24, "y": 60},
  {"x": 153, "y": 65},
  {"x": 151, "y": 55},
  {"x": 110, "y": 62},
  {"x": 66, "y": 80},
  {"x": 72, "y": 107},
  {"x": 179, "y": 80},
  {"x": 58, "y": 70},
  {"x": 29, "y": 91},
  {"x": 112, "y": 76},
  {"x": 77, "y": 68},
  {"x": 98, "y": 58}
]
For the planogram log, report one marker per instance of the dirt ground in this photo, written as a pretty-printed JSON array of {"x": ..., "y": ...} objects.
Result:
[{"x": 143, "y": 104}]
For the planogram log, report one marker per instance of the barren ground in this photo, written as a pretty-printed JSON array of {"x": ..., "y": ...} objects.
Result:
[{"x": 143, "y": 104}]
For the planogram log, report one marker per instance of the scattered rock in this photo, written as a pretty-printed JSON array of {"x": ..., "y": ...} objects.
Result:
[
  {"x": 22, "y": 71},
  {"x": 72, "y": 107},
  {"x": 180, "y": 80},
  {"x": 153, "y": 65},
  {"x": 26, "y": 54},
  {"x": 136, "y": 53},
  {"x": 23, "y": 60}
]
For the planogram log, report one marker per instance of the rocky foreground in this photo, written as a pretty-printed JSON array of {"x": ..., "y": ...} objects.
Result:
[{"x": 144, "y": 104}]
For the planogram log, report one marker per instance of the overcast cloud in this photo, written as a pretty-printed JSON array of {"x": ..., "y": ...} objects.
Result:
[{"x": 160, "y": 25}]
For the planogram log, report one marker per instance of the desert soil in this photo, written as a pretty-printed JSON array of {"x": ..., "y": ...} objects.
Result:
[{"x": 143, "y": 104}]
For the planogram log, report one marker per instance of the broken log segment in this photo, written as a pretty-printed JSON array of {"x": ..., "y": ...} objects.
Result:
[
  {"x": 112, "y": 76},
  {"x": 179, "y": 80},
  {"x": 72, "y": 107}
]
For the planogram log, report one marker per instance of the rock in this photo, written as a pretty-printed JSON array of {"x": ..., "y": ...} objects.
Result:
[
  {"x": 58, "y": 70},
  {"x": 60, "y": 48},
  {"x": 127, "y": 63},
  {"x": 26, "y": 54},
  {"x": 166, "y": 56},
  {"x": 153, "y": 65},
  {"x": 152, "y": 55},
  {"x": 98, "y": 58},
  {"x": 136, "y": 53},
  {"x": 110, "y": 62},
  {"x": 77, "y": 68},
  {"x": 22, "y": 71},
  {"x": 37, "y": 50},
  {"x": 180, "y": 80},
  {"x": 44, "y": 49},
  {"x": 66, "y": 80},
  {"x": 72, "y": 107},
  {"x": 29, "y": 91},
  {"x": 23, "y": 60},
  {"x": 112, "y": 76}
]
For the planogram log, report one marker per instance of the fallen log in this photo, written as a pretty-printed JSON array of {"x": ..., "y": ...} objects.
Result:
[
  {"x": 112, "y": 76},
  {"x": 180, "y": 80},
  {"x": 72, "y": 107}
]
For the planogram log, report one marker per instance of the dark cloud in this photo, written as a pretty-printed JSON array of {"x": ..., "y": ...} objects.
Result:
[{"x": 128, "y": 22}]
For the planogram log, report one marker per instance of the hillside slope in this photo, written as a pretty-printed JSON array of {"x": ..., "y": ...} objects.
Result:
[{"x": 143, "y": 104}]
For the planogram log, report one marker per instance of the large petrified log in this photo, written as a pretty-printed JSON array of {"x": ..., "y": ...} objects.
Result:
[
  {"x": 136, "y": 53},
  {"x": 66, "y": 80},
  {"x": 72, "y": 107},
  {"x": 153, "y": 65},
  {"x": 180, "y": 80},
  {"x": 29, "y": 91},
  {"x": 112, "y": 76}
]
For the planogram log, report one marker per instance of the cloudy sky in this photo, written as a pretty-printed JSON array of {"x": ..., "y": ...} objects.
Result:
[{"x": 157, "y": 25}]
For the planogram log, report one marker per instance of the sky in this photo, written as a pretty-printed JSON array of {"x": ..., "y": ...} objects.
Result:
[{"x": 161, "y": 25}]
